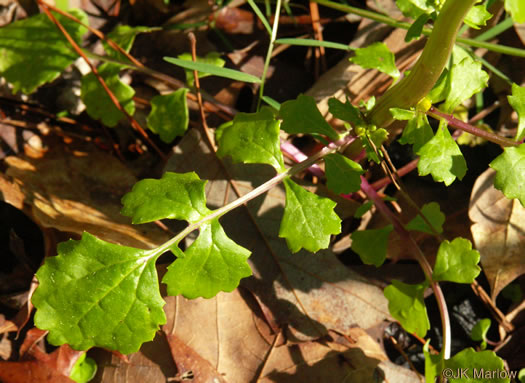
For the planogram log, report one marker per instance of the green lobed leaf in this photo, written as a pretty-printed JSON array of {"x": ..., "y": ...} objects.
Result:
[
  {"x": 517, "y": 101},
  {"x": 469, "y": 366},
  {"x": 211, "y": 264},
  {"x": 433, "y": 214},
  {"x": 406, "y": 304},
  {"x": 252, "y": 138},
  {"x": 124, "y": 37},
  {"x": 97, "y": 294},
  {"x": 415, "y": 30},
  {"x": 369, "y": 104},
  {"x": 211, "y": 58},
  {"x": 439, "y": 91},
  {"x": 478, "y": 16},
  {"x": 417, "y": 132},
  {"x": 346, "y": 112},
  {"x": 442, "y": 158},
  {"x": 415, "y": 8},
  {"x": 302, "y": 116},
  {"x": 98, "y": 103},
  {"x": 377, "y": 137},
  {"x": 510, "y": 172},
  {"x": 456, "y": 262},
  {"x": 466, "y": 78},
  {"x": 361, "y": 210},
  {"x": 342, "y": 174},
  {"x": 176, "y": 196},
  {"x": 308, "y": 219},
  {"x": 34, "y": 51},
  {"x": 402, "y": 114},
  {"x": 214, "y": 70},
  {"x": 376, "y": 56},
  {"x": 479, "y": 332},
  {"x": 371, "y": 245},
  {"x": 169, "y": 116},
  {"x": 83, "y": 370},
  {"x": 516, "y": 8}
]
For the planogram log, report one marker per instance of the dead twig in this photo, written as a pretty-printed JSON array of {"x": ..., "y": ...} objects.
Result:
[
  {"x": 113, "y": 98},
  {"x": 318, "y": 33}
]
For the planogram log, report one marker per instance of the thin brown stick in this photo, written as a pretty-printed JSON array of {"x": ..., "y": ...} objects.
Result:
[
  {"x": 267, "y": 356},
  {"x": 500, "y": 317},
  {"x": 485, "y": 112},
  {"x": 318, "y": 33},
  {"x": 400, "y": 172},
  {"x": 95, "y": 31},
  {"x": 398, "y": 347},
  {"x": 211, "y": 104},
  {"x": 113, "y": 98},
  {"x": 211, "y": 141}
]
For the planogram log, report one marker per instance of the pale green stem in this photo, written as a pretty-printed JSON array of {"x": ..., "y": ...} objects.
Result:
[
  {"x": 270, "y": 50},
  {"x": 330, "y": 148},
  {"x": 416, "y": 85}
]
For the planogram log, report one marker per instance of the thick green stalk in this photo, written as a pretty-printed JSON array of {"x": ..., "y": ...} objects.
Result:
[{"x": 409, "y": 91}]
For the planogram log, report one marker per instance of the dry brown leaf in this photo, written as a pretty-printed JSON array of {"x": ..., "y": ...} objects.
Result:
[
  {"x": 153, "y": 363},
  {"x": 234, "y": 20},
  {"x": 30, "y": 371},
  {"x": 77, "y": 191},
  {"x": 308, "y": 293},
  {"x": 190, "y": 364},
  {"x": 223, "y": 338},
  {"x": 11, "y": 193},
  {"x": 222, "y": 331},
  {"x": 498, "y": 232},
  {"x": 41, "y": 367}
]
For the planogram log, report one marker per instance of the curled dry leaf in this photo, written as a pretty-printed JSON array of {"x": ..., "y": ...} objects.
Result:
[
  {"x": 498, "y": 232},
  {"x": 77, "y": 191}
]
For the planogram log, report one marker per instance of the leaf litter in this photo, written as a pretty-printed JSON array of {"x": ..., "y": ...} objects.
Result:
[{"x": 306, "y": 297}]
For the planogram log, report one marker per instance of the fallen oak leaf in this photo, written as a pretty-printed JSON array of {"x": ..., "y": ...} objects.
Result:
[{"x": 497, "y": 231}]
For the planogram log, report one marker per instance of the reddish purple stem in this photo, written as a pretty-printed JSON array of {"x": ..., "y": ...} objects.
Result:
[{"x": 458, "y": 124}]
